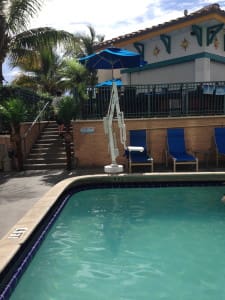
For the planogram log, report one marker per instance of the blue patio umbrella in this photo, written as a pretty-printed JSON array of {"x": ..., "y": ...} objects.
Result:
[
  {"x": 112, "y": 58},
  {"x": 106, "y": 83}
]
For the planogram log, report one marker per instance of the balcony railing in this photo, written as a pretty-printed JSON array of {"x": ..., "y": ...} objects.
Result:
[{"x": 159, "y": 100}]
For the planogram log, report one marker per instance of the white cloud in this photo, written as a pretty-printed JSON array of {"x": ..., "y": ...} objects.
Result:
[
  {"x": 9, "y": 73},
  {"x": 112, "y": 18},
  {"x": 103, "y": 15}
]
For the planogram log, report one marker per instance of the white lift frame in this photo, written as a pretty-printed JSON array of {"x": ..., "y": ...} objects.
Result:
[{"x": 108, "y": 128}]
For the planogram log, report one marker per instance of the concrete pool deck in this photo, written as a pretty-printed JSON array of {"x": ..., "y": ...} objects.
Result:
[{"x": 19, "y": 191}]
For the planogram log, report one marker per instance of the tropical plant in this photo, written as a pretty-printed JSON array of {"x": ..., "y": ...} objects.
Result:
[
  {"x": 87, "y": 44},
  {"x": 89, "y": 41},
  {"x": 51, "y": 73},
  {"x": 16, "y": 41},
  {"x": 40, "y": 71},
  {"x": 74, "y": 78},
  {"x": 15, "y": 112},
  {"x": 67, "y": 111}
]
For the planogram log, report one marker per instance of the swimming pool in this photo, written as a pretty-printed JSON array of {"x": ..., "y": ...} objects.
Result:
[{"x": 132, "y": 243}]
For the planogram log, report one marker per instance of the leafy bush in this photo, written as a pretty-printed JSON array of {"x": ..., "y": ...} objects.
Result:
[
  {"x": 13, "y": 111},
  {"x": 67, "y": 109}
]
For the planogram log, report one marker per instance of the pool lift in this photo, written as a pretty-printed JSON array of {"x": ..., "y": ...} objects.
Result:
[{"x": 114, "y": 168}]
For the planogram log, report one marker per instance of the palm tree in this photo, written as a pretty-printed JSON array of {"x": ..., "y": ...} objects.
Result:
[
  {"x": 87, "y": 44},
  {"x": 40, "y": 71},
  {"x": 47, "y": 72},
  {"x": 16, "y": 41},
  {"x": 74, "y": 76},
  {"x": 88, "y": 41}
]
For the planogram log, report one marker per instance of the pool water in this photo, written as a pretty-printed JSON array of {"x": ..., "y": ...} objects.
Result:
[{"x": 132, "y": 243}]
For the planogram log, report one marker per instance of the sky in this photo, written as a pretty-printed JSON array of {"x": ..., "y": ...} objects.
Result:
[{"x": 109, "y": 18}]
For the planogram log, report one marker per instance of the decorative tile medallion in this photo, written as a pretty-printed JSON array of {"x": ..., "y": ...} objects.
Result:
[
  {"x": 216, "y": 43},
  {"x": 156, "y": 51},
  {"x": 184, "y": 44}
]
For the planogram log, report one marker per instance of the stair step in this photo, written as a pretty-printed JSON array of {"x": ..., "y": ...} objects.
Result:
[
  {"x": 47, "y": 161},
  {"x": 49, "y": 144},
  {"x": 49, "y": 152},
  {"x": 50, "y": 136},
  {"x": 47, "y": 158},
  {"x": 50, "y": 140},
  {"x": 44, "y": 166}
]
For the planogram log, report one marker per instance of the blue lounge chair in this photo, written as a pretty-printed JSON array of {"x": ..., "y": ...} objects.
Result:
[
  {"x": 176, "y": 149},
  {"x": 219, "y": 135},
  {"x": 137, "y": 153}
]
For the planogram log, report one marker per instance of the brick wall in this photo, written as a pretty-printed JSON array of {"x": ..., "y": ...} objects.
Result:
[
  {"x": 91, "y": 143},
  {"x": 29, "y": 140},
  {"x": 30, "y": 134}
]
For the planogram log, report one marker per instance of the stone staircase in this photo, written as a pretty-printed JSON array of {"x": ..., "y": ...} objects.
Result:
[{"x": 48, "y": 152}]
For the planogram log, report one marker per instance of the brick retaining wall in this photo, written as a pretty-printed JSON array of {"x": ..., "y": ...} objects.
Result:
[{"x": 91, "y": 143}]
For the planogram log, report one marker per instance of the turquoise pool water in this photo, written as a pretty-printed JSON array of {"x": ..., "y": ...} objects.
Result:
[{"x": 136, "y": 243}]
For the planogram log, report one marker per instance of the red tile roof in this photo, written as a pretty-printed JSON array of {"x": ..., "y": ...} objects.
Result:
[{"x": 206, "y": 10}]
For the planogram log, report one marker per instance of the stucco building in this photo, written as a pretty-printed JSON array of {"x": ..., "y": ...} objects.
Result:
[{"x": 188, "y": 49}]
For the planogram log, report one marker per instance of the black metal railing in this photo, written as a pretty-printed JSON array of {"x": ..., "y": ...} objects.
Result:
[{"x": 159, "y": 100}]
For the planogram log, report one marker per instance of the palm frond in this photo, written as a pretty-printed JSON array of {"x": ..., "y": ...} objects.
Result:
[
  {"x": 25, "y": 59},
  {"x": 20, "y": 12},
  {"x": 38, "y": 38},
  {"x": 14, "y": 110},
  {"x": 27, "y": 81},
  {"x": 41, "y": 37}
]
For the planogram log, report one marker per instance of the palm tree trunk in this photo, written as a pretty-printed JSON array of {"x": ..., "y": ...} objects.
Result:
[
  {"x": 16, "y": 139},
  {"x": 68, "y": 139},
  {"x": 1, "y": 73}
]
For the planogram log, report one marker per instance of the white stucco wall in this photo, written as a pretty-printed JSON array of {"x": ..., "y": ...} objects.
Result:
[
  {"x": 198, "y": 70},
  {"x": 169, "y": 74},
  {"x": 176, "y": 50},
  {"x": 202, "y": 70},
  {"x": 217, "y": 71}
]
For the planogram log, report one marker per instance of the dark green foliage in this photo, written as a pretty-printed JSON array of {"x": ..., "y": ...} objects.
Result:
[
  {"x": 67, "y": 110},
  {"x": 7, "y": 92}
]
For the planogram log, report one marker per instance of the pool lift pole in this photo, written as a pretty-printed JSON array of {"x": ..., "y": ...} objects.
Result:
[{"x": 108, "y": 128}]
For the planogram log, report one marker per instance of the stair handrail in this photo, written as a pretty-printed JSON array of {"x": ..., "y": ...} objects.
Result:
[{"x": 32, "y": 125}]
